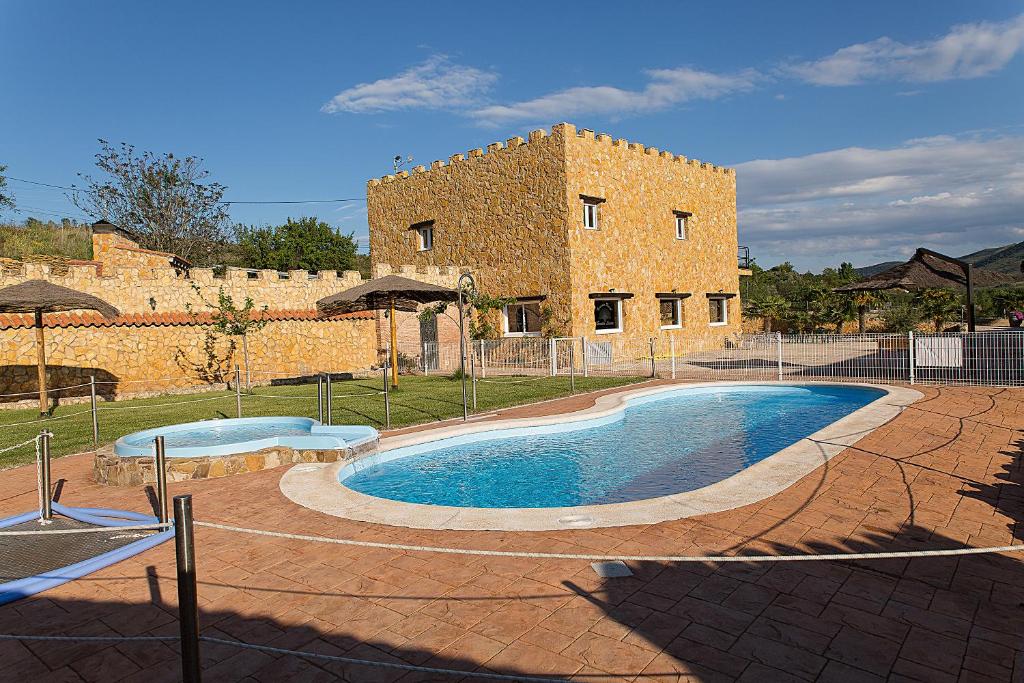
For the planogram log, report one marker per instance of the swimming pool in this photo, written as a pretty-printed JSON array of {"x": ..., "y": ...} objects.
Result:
[
  {"x": 244, "y": 435},
  {"x": 660, "y": 444}
]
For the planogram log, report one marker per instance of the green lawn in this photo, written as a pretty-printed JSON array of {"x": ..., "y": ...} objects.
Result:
[{"x": 419, "y": 399}]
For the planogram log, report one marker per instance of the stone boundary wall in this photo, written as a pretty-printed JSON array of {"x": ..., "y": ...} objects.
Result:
[
  {"x": 135, "y": 289},
  {"x": 147, "y": 355}
]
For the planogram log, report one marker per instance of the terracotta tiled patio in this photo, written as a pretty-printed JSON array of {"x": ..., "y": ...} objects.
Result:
[{"x": 944, "y": 474}]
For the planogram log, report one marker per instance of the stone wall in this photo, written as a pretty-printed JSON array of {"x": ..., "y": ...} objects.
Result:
[
  {"x": 142, "y": 355},
  {"x": 135, "y": 289},
  {"x": 635, "y": 249},
  {"x": 514, "y": 215},
  {"x": 160, "y": 341}
]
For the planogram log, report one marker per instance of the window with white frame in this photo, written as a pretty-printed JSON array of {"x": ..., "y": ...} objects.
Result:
[
  {"x": 522, "y": 319},
  {"x": 425, "y": 238},
  {"x": 671, "y": 313},
  {"x": 607, "y": 316},
  {"x": 718, "y": 310},
  {"x": 590, "y": 213},
  {"x": 682, "y": 224}
]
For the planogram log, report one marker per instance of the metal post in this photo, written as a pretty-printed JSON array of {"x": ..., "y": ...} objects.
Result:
[
  {"x": 330, "y": 400},
  {"x": 672, "y": 352},
  {"x": 45, "y": 488},
  {"x": 238, "y": 390},
  {"x": 654, "y": 368},
  {"x": 572, "y": 368},
  {"x": 910, "y": 349},
  {"x": 95, "y": 413},
  {"x": 472, "y": 372},
  {"x": 969, "y": 276},
  {"x": 583, "y": 352},
  {"x": 188, "y": 596},
  {"x": 387, "y": 399},
  {"x": 161, "y": 478},
  {"x": 320, "y": 398},
  {"x": 462, "y": 342},
  {"x": 778, "y": 349},
  {"x": 553, "y": 355}
]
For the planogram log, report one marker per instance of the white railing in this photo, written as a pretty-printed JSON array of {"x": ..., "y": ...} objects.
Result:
[{"x": 993, "y": 358}]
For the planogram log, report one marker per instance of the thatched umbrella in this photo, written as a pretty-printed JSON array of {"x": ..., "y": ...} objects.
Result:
[
  {"x": 390, "y": 293},
  {"x": 40, "y": 296},
  {"x": 928, "y": 269}
]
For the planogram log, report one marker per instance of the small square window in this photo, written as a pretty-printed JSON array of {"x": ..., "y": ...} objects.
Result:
[
  {"x": 522, "y": 320},
  {"x": 671, "y": 313},
  {"x": 680, "y": 227},
  {"x": 425, "y": 238},
  {"x": 590, "y": 215},
  {"x": 607, "y": 316},
  {"x": 718, "y": 310}
]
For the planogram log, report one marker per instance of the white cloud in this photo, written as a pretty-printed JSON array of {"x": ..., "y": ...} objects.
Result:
[
  {"x": 967, "y": 51},
  {"x": 437, "y": 83},
  {"x": 665, "y": 87},
  {"x": 953, "y": 194}
]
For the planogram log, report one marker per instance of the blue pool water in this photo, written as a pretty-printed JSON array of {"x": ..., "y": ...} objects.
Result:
[
  {"x": 659, "y": 445},
  {"x": 242, "y": 435}
]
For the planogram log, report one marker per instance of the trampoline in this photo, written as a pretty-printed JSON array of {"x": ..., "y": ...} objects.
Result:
[{"x": 37, "y": 562}]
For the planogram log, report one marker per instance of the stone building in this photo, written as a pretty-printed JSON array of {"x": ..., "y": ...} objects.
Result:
[{"x": 593, "y": 237}]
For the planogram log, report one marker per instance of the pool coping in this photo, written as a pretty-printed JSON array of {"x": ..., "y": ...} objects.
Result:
[{"x": 316, "y": 486}]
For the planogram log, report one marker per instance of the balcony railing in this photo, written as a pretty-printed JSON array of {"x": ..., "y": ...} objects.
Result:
[{"x": 744, "y": 257}]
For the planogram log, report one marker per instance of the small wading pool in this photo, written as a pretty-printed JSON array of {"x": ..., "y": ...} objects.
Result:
[
  {"x": 660, "y": 444},
  {"x": 244, "y": 435}
]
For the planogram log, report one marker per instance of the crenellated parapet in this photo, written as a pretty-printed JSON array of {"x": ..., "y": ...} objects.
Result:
[
  {"x": 559, "y": 132},
  {"x": 163, "y": 289}
]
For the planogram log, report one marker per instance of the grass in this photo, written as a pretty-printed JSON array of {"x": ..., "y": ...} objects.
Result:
[{"x": 418, "y": 400}]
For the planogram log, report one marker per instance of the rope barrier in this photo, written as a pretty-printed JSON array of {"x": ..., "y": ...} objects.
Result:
[
  {"x": 386, "y": 665},
  {"x": 44, "y": 419},
  {"x": 311, "y": 397},
  {"x": 88, "y": 530},
  {"x": 48, "y": 389},
  {"x": 165, "y": 405},
  {"x": 8, "y": 449},
  {"x": 518, "y": 381},
  {"x": 622, "y": 558},
  {"x": 88, "y": 639}
]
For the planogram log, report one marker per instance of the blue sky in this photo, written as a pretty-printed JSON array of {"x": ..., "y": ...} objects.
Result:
[{"x": 859, "y": 130}]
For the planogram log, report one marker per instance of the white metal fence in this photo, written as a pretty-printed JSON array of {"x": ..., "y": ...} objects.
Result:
[{"x": 992, "y": 358}]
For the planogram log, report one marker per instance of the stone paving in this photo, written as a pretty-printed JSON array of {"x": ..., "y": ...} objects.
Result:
[{"x": 944, "y": 474}]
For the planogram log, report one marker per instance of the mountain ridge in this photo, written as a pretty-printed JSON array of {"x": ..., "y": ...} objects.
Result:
[{"x": 1005, "y": 259}]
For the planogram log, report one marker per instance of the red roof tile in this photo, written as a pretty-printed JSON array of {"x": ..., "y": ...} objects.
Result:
[{"x": 61, "y": 320}]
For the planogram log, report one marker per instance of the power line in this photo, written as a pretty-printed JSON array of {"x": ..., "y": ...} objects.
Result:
[
  {"x": 286, "y": 201},
  {"x": 36, "y": 182},
  {"x": 303, "y": 201}
]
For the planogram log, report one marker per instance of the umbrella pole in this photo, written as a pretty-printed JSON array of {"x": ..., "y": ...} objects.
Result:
[
  {"x": 44, "y": 402},
  {"x": 394, "y": 346}
]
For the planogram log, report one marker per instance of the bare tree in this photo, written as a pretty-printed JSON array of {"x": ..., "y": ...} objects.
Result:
[
  {"x": 6, "y": 200},
  {"x": 162, "y": 198}
]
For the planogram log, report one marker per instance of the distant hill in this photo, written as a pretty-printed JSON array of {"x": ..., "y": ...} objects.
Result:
[
  {"x": 868, "y": 271},
  {"x": 1005, "y": 259}
]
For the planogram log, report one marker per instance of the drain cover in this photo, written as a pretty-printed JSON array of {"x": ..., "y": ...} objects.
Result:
[
  {"x": 576, "y": 521},
  {"x": 611, "y": 570},
  {"x": 305, "y": 468}
]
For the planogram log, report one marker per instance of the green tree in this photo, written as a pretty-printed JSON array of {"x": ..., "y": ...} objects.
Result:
[
  {"x": 303, "y": 244},
  {"x": 162, "y": 198},
  {"x": 6, "y": 199},
  {"x": 900, "y": 315},
  {"x": 231, "y": 320},
  {"x": 938, "y": 305},
  {"x": 772, "y": 307}
]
